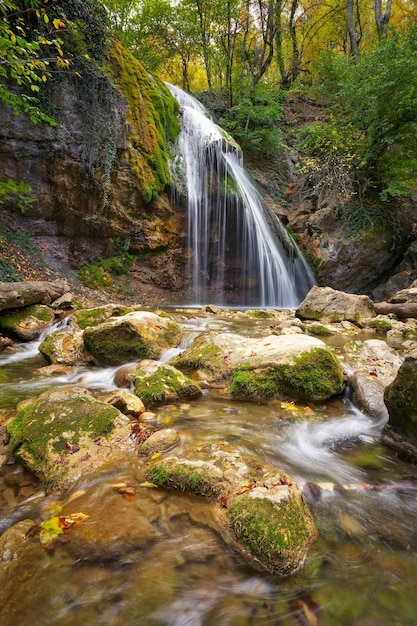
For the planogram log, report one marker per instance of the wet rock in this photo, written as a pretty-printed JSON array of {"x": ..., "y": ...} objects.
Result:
[
  {"x": 328, "y": 305},
  {"x": 64, "y": 302},
  {"x": 97, "y": 315},
  {"x": 27, "y": 323},
  {"x": 13, "y": 539},
  {"x": 5, "y": 342},
  {"x": 160, "y": 441},
  {"x": 66, "y": 432},
  {"x": 161, "y": 384},
  {"x": 126, "y": 402},
  {"x": 372, "y": 365},
  {"x": 262, "y": 510},
  {"x": 54, "y": 370},
  {"x": 64, "y": 348},
  {"x": 297, "y": 365},
  {"x": 131, "y": 337}
]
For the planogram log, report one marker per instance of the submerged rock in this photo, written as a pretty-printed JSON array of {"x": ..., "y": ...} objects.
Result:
[
  {"x": 328, "y": 305},
  {"x": 131, "y": 337},
  {"x": 261, "y": 509}
]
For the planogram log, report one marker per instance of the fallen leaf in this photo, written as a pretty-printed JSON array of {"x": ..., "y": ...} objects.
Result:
[
  {"x": 148, "y": 485},
  {"x": 53, "y": 529},
  {"x": 71, "y": 447}
]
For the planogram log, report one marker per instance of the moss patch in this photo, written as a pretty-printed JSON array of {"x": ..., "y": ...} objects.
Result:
[
  {"x": 314, "y": 375},
  {"x": 196, "y": 479},
  {"x": 115, "y": 346},
  {"x": 92, "y": 317},
  {"x": 205, "y": 357},
  {"x": 10, "y": 320},
  {"x": 153, "y": 118}
]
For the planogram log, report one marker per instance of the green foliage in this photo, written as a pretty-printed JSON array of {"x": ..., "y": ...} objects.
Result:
[
  {"x": 88, "y": 29},
  {"x": 254, "y": 122},
  {"x": 374, "y": 104},
  {"x": 16, "y": 194},
  {"x": 103, "y": 273}
]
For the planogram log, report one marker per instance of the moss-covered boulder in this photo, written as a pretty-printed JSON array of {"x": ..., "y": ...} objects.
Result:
[
  {"x": 132, "y": 337},
  {"x": 27, "y": 323},
  {"x": 329, "y": 305},
  {"x": 97, "y": 315},
  {"x": 401, "y": 400},
  {"x": 64, "y": 348},
  {"x": 296, "y": 366},
  {"x": 157, "y": 383},
  {"x": 260, "y": 509},
  {"x": 66, "y": 432}
]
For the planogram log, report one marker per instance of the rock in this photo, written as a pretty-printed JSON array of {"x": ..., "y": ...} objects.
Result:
[
  {"x": 13, "y": 539},
  {"x": 401, "y": 400},
  {"x": 328, "y": 305},
  {"x": 64, "y": 348},
  {"x": 373, "y": 365},
  {"x": 408, "y": 294},
  {"x": 21, "y": 294},
  {"x": 296, "y": 365},
  {"x": 126, "y": 402},
  {"x": 131, "y": 337},
  {"x": 66, "y": 432},
  {"x": 27, "y": 323},
  {"x": 156, "y": 383},
  {"x": 262, "y": 510},
  {"x": 160, "y": 441},
  {"x": 123, "y": 375},
  {"x": 5, "y": 342},
  {"x": 64, "y": 302},
  {"x": 54, "y": 370},
  {"x": 97, "y": 315}
]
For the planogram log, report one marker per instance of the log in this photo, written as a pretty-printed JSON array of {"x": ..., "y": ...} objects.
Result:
[
  {"x": 402, "y": 309},
  {"x": 17, "y": 295}
]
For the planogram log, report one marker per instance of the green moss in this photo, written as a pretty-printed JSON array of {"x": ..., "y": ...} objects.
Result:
[
  {"x": 278, "y": 534},
  {"x": 153, "y": 118},
  {"x": 47, "y": 348},
  {"x": 8, "y": 274},
  {"x": 380, "y": 325},
  {"x": 185, "y": 477},
  {"x": 9, "y": 320},
  {"x": 319, "y": 330},
  {"x": 313, "y": 375},
  {"x": 92, "y": 317},
  {"x": 260, "y": 314},
  {"x": 202, "y": 356}
]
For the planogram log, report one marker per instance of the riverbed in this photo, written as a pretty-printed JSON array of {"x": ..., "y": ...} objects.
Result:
[{"x": 165, "y": 564}]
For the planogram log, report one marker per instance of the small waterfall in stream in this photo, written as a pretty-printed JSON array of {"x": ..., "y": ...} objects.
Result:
[{"x": 239, "y": 252}]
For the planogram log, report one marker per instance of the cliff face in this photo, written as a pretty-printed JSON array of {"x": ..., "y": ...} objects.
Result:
[{"x": 98, "y": 176}]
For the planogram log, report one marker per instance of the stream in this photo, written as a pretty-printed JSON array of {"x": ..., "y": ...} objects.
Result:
[{"x": 165, "y": 563}]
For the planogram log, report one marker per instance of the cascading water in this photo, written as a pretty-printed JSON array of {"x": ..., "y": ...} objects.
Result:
[{"x": 239, "y": 253}]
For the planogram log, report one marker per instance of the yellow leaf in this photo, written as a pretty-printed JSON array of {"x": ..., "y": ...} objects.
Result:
[
  {"x": 45, "y": 18},
  {"x": 156, "y": 455},
  {"x": 58, "y": 24}
]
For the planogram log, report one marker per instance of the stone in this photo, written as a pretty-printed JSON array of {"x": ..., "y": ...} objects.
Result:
[
  {"x": 65, "y": 348},
  {"x": 126, "y": 402},
  {"x": 401, "y": 400},
  {"x": 328, "y": 305},
  {"x": 156, "y": 383},
  {"x": 27, "y": 323},
  {"x": 160, "y": 441},
  {"x": 131, "y": 337},
  {"x": 64, "y": 302},
  {"x": 22, "y": 294}
]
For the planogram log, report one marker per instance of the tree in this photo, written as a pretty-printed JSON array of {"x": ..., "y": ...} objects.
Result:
[{"x": 382, "y": 18}]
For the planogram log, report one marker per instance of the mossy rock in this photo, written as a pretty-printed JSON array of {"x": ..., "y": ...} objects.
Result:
[
  {"x": 314, "y": 375},
  {"x": 401, "y": 400},
  {"x": 64, "y": 348},
  {"x": 44, "y": 428},
  {"x": 27, "y": 323},
  {"x": 92, "y": 317},
  {"x": 160, "y": 384},
  {"x": 274, "y": 525},
  {"x": 260, "y": 510},
  {"x": 205, "y": 361},
  {"x": 132, "y": 337}
]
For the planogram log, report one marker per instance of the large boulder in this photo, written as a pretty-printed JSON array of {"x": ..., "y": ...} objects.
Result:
[
  {"x": 371, "y": 366},
  {"x": 64, "y": 348},
  {"x": 156, "y": 383},
  {"x": 66, "y": 432},
  {"x": 131, "y": 337},
  {"x": 261, "y": 509},
  {"x": 99, "y": 314},
  {"x": 328, "y": 305},
  {"x": 296, "y": 366}
]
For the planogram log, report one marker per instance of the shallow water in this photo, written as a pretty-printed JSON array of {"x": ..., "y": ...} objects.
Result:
[{"x": 163, "y": 563}]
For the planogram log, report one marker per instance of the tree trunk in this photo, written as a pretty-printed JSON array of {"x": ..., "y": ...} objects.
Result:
[
  {"x": 353, "y": 35},
  {"x": 401, "y": 310},
  {"x": 382, "y": 19}
]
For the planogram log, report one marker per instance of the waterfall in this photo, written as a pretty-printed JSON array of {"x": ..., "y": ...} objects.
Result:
[{"x": 239, "y": 254}]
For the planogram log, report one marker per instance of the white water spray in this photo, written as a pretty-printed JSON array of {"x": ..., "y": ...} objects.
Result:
[{"x": 239, "y": 253}]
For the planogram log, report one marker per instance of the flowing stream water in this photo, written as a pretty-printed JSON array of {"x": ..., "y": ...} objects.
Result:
[
  {"x": 158, "y": 560},
  {"x": 239, "y": 252}
]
